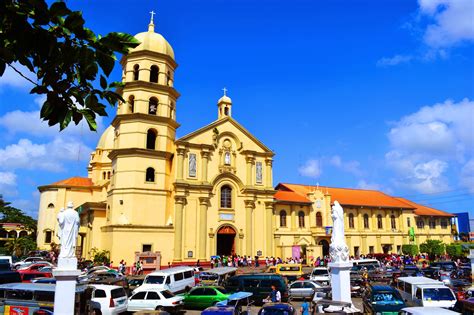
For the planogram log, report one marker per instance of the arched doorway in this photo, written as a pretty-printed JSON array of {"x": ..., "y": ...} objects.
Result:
[
  {"x": 325, "y": 245},
  {"x": 226, "y": 240}
]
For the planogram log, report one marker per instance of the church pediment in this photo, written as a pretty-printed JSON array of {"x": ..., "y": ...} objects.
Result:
[{"x": 213, "y": 133}]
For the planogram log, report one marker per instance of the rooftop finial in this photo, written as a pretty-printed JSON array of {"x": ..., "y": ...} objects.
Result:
[
  {"x": 225, "y": 91},
  {"x": 151, "y": 26}
]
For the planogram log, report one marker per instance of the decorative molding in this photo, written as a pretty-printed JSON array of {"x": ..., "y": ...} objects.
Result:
[
  {"x": 144, "y": 118},
  {"x": 139, "y": 152},
  {"x": 249, "y": 204}
]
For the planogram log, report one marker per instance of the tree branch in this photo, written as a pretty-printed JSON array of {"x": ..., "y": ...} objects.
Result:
[{"x": 25, "y": 77}]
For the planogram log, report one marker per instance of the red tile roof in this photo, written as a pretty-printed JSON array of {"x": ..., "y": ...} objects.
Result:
[
  {"x": 290, "y": 196},
  {"x": 424, "y": 210},
  {"x": 346, "y": 196},
  {"x": 75, "y": 182}
]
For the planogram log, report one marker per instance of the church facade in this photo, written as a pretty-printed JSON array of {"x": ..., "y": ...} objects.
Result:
[{"x": 209, "y": 192}]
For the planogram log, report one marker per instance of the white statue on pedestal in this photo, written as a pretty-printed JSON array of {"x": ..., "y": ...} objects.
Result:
[
  {"x": 68, "y": 229},
  {"x": 338, "y": 249}
]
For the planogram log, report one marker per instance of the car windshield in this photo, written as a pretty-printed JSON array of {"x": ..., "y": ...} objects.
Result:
[
  {"x": 320, "y": 272},
  {"x": 154, "y": 279},
  {"x": 208, "y": 276},
  {"x": 382, "y": 298},
  {"x": 221, "y": 290},
  {"x": 135, "y": 282},
  {"x": 441, "y": 294},
  {"x": 167, "y": 294}
]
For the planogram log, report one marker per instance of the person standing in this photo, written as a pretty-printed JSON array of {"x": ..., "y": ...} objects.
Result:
[
  {"x": 275, "y": 295},
  {"x": 305, "y": 308}
]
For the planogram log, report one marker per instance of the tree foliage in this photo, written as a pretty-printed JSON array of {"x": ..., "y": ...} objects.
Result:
[
  {"x": 100, "y": 256},
  {"x": 20, "y": 246},
  {"x": 66, "y": 57},
  {"x": 9, "y": 214},
  {"x": 410, "y": 249},
  {"x": 454, "y": 250},
  {"x": 432, "y": 248}
]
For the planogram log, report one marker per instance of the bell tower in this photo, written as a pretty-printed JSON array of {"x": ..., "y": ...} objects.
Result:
[{"x": 145, "y": 127}]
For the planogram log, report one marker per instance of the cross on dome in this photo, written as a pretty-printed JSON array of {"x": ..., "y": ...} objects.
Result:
[
  {"x": 152, "y": 14},
  {"x": 225, "y": 91}
]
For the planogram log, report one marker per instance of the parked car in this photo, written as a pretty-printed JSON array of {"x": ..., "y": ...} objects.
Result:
[
  {"x": 108, "y": 278},
  {"x": 176, "y": 279},
  {"x": 35, "y": 266},
  {"x": 108, "y": 299},
  {"x": 135, "y": 281},
  {"x": 410, "y": 271},
  {"x": 444, "y": 265},
  {"x": 44, "y": 280},
  {"x": 277, "y": 309},
  {"x": 420, "y": 310},
  {"x": 382, "y": 299},
  {"x": 26, "y": 261},
  {"x": 258, "y": 284},
  {"x": 155, "y": 300},
  {"x": 302, "y": 289},
  {"x": 204, "y": 296},
  {"x": 28, "y": 275},
  {"x": 236, "y": 304},
  {"x": 321, "y": 274}
]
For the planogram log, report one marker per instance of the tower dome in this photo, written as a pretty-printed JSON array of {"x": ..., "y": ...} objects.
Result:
[{"x": 152, "y": 41}]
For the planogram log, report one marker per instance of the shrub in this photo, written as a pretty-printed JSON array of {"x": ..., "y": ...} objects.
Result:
[
  {"x": 454, "y": 250},
  {"x": 410, "y": 249}
]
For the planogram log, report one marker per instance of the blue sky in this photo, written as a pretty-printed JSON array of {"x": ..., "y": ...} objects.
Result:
[{"x": 360, "y": 94}]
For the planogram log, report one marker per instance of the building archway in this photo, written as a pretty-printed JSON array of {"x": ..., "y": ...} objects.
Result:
[
  {"x": 226, "y": 240},
  {"x": 325, "y": 245}
]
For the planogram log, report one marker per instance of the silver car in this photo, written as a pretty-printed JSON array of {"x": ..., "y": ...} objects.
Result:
[{"x": 302, "y": 289}]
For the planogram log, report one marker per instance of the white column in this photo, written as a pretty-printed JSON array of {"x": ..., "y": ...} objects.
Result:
[{"x": 65, "y": 292}]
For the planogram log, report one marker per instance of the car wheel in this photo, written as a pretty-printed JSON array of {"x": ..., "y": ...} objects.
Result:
[
  {"x": 96, "y": 312},
  {"x": 187, "y": 288},
  {"x": 159, "y": 308}
]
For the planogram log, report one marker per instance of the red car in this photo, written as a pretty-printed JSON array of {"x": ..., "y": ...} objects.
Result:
[
  {"x": 35, "y": 266},
  {"x": 28, "y": 275}
]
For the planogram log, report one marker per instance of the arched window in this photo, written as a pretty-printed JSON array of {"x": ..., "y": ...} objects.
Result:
[
  {"x": 154, "y": 70},
  {"x": 408, "y": 222},
  {"x": 3, "y": 233},
  {"x": 283, "y": 218},
  {"x": 108, "y": 175},
  {"x": 226, "y": 197},
  {"x": 150, "y": 174},
  {"x": 104, "y": 175},
  {"x": 379, "y": 222},
  {"x": 131, "y": 103},
  {"x": 51, "y": 206},
  {"x": 48, "y": 236},
  {"x": 351, "y": 220},
  {"x": 319, "y": 219},
  {"x": 136, "y": 69},
  {"x": 12, "y": 234},
  {"x": 366, "y": 221},
  {"x": 152, "y": 106},
  {"x": 168, "y": 78},
  {"x": 420, "y": 223},
  {"x": 151, "y": 139},
  {"x": 301, "y": 219},
  {"x": 432, "y": 223},
  {"x": 226, "y": 111},
  {"x": 22, "y": 234},
  {"x": 172, "y": 111},
  {"x": 393, "y": 222}
]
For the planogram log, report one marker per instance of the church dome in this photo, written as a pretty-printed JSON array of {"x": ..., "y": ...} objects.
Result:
[
  {"x": 224, "y": 99},
  {"x": 152, "y": 41},
  {"x": 106, "y": 141}
]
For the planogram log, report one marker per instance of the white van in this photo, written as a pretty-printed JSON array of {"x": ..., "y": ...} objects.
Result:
[
  {"x": 176, "y": 279},
  {"x": 364, "y": 262},
  {"x": 321, "y": 274},
  {"x": 422, "y": 291}
]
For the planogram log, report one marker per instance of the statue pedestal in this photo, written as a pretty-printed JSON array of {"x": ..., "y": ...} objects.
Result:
[
  {"x": 341, "y": 281},
  {"x": 65, "y": 293}
]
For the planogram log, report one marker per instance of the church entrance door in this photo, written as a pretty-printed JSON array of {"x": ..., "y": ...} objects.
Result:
[
  {"x": 325, "y": 245},
  {"x": 226, "y": 241}
]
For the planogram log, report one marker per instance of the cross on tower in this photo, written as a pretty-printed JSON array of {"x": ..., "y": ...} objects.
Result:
[
  {"x": 152, "y": 14},
  {"x": 225, "y": 91}
]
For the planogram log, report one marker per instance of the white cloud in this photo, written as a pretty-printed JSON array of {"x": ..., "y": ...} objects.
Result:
[
  {"x": 14, "y": 123},
  {"x": 352, "y": 167},
  {"x": 425, "y": 144},
  {"x": 467, "y": 176},
  {"x": 362, "y": 184},
  {"x": 8, "y": 184},
  {"x": 311, "y": 168},
  {"x": 11, "y": 78},
  {"x": 451, "y": 22},
  {"x": 48, "y": 156},
  {"x": 393, "y": 61}
]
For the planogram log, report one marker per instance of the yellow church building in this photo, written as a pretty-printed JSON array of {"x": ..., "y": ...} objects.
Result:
[{"x": 209, "y": 192}]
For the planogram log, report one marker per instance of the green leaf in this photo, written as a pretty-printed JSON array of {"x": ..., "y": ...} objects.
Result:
[
  {"x": 59, "y": 9},
  {"x": 2, "y": 68},
  {"x": 39, "y": 89},
  {"x": 74, "y": 21},
  {"x": 119, "y": 42},
  {"x": 46, "y": 109},
  {"x": 66, "y": 120},
  {"x": 90, "y": 118},
  {"x": 103, "y": 82},
  {"x": 106, "y": 62}
]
